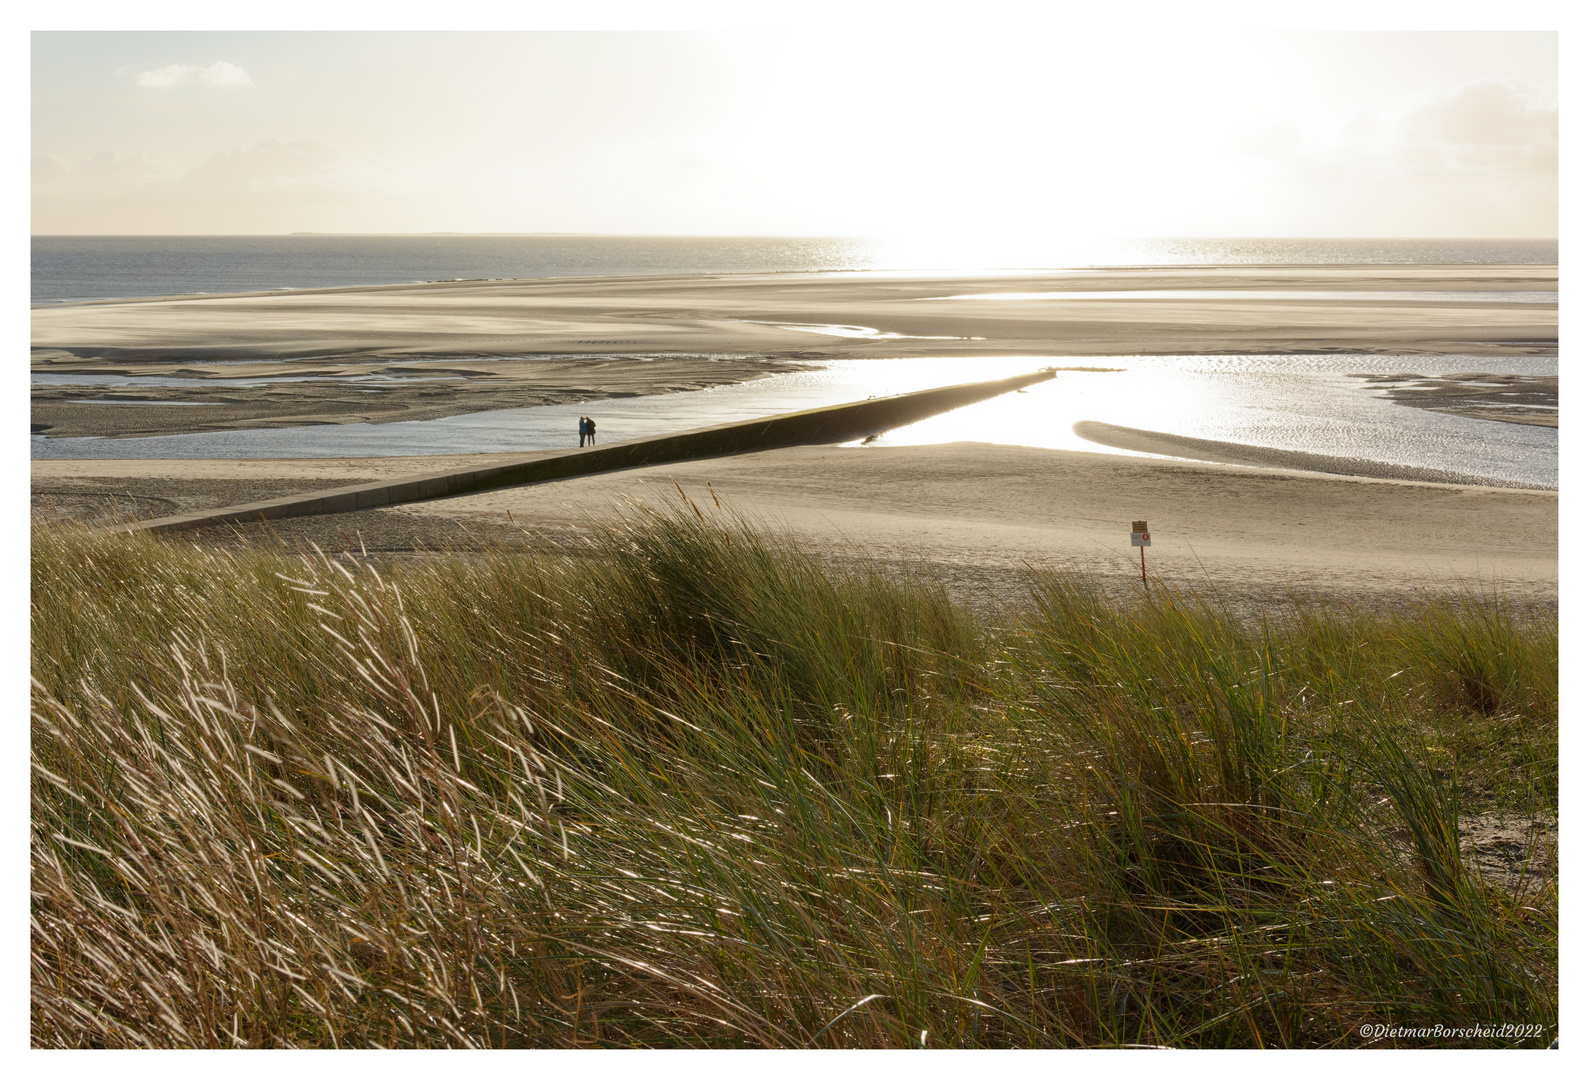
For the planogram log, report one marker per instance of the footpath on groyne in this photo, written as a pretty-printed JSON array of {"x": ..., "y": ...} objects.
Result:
[{"x": 833, "y": 423}]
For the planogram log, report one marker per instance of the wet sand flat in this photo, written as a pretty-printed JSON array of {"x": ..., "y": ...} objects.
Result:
[
  {"x": 1511, "y": 399},
  {"x": 371, "y": 351},
  {"x": 322, "y": 393}
]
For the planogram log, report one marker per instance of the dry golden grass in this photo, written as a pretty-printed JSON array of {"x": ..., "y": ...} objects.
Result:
[{"x": 697, "y": 790}]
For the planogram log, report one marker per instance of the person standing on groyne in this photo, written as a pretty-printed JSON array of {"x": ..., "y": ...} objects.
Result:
[
  {"x": 584, "y": 421},
  {"x": 590, "y": 430}
]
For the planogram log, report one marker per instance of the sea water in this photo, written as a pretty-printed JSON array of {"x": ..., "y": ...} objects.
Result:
[{"x": 76, "y": 268}]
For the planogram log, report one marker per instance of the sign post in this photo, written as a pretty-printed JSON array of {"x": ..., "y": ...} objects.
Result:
[{"x": 1141, "y": 539}]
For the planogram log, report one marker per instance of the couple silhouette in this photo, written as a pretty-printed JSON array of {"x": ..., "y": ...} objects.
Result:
[{"x": 587, "y": 430}]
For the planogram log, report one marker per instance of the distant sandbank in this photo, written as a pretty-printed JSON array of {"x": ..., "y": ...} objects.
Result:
[{"x": 370, "y": 354}]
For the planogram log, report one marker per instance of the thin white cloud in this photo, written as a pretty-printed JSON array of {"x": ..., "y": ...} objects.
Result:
[
  {"x": 1448, "y": 132},
  {"x": 272, "y": 186},
  {"x": 222, "y": 74},
  {"x": 1475, "y": 158},
  {"x": 307, "y": 168},
  {"x": 1487, "y": 113}
]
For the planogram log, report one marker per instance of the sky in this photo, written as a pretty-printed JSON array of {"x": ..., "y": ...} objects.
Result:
[{"x": 1009, "y": 131}]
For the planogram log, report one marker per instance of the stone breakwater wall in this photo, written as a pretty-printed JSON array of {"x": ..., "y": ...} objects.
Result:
[{"x": 831, "y": 424}]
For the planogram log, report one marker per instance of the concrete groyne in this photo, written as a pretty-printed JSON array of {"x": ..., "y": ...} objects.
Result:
[{"x": 830, "y": 424}]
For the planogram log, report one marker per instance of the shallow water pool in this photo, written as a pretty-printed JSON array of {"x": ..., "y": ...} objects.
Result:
[{"x": 1307, "y": 403}]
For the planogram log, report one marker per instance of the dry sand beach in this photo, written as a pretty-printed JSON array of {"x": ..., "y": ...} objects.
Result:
[{"x": 977, "y": 512}]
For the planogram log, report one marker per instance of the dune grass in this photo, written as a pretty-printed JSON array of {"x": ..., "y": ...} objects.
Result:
[{"x": 698, "y": 788}]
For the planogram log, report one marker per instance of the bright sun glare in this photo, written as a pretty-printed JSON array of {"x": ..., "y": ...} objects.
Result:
[{"x": 975, "y": 142}]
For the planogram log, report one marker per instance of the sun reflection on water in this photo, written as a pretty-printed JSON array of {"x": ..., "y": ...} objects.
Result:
[{"x": 1308, "y": 403}]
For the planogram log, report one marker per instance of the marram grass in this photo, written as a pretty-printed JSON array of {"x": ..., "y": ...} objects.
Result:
[{"x": 698, "y": 788}]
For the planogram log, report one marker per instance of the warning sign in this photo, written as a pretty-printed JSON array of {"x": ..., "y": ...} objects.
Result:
[{"x": 1139, "y": 534}]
